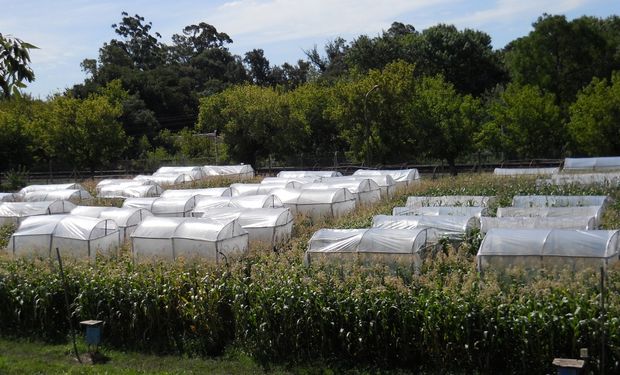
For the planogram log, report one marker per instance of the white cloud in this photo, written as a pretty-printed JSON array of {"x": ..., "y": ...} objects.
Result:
[
  {"x": 515, "y": 10},
  {"x": 269, "y": 21}
]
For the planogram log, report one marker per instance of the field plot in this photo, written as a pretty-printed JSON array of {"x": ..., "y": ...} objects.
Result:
[{"x": 444, "y": 316}]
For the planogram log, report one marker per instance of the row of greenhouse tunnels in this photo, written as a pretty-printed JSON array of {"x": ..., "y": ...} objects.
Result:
[{"x": 163, "y": 217}]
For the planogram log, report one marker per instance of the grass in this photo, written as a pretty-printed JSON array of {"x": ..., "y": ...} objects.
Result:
[{"x": 19, "y": 356}]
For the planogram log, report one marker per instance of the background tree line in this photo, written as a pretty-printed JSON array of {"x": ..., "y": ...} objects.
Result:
[{"x": 403, "y": 95}]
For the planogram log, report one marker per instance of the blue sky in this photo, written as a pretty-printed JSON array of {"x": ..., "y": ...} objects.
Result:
[{"x": 68, "y": 31}]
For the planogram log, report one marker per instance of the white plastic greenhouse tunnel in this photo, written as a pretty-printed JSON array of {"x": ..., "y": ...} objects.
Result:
[
  {"x": 529, "y": 222},
  {"x": 16, "y": 212},
  {"x": 51, "y": 187},
  {"x": 166, "y": 179},
  {"x": 511, "y": 172},
  {"x": 402, "y": 177},
  {"x": 121, "y": 182},
  {"x": 207, "y": 192},
  {"x": 9, "y": 197},
  {"x": 242, "y": 171},
  {"x": 196, "y": 172},
  {"x": 127, "y": 219},
  {"x": 450, "y": 200},
  {"x": 451, "y": 227},
  {"x": 269, "y": 226},
  {"x": 172, "y": 238},
  {"x": 317, "y": 204},
  {"x": 131, "y": 191},
  {"x": 609, "y": 179},
  {"x": 594, "y": 212},
  {"x": 244, "y": 201},
  {"x": 76, "y": 237},
  {"x": 283, "y": 180},
  {"x": 260, "y": 189},
  {"x": 168, "y": 207},
  {"x": 308, "y": 174},
  {"x": 370, "y": 246},
  {"x": 592, "y": 164},
  {"x": 73, "y": 195},
  {"x": 560, "y": 200},
  {"x": 365, "y": 190},
  {"x": 386, "y": 183},
  {"x": 441, "y": 211},
  {"x": 502, "y": 249}
]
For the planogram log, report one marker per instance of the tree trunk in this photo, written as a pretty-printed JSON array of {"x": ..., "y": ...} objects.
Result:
[{"x": 452, "y": 166}]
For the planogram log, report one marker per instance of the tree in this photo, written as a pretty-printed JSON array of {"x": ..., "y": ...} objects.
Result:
[
  {"x": 445, "y": 118},
  {"x": 562, "y": 56},
  {"x": 14, "y": 65},
  {"x": 144, "y": 50},
  {"x": 258, "y": 66},
  {"x": 594, "y": 126},
  {"x": 15, "y": 137},
  {"x": 524, "y": 123},
  {"x": 374, "y": 114},
  {"x": 334, "y": 64}
]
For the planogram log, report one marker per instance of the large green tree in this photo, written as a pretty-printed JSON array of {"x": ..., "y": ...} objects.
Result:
[
  {"x": 524, "y": 123},
  {"x": 562, "y": 56},
  {"x": 594, "y": 126},
  {"x": 445, "y": 119}
]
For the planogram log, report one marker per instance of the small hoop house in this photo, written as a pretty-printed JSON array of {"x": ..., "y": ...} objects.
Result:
[
  {"x": 245, "y": 201},
  {"x": 607, "y": 179},
  {"x": 16, "y": 212},
  {"x": 592, "y": 164},
  {"x": 72, "y": 195},
  {"x": 166, "y": 179},
  {"x": 370, "y": 246},
  {"x": 75, "y": 236},
  {"x": 127, "y": 219},
  {"x": 594, "y": 212},
  {"x": 171, "y": 238},
  {"x": 9, "y": 197},
  {"x": 316, "y": 204},
  {"x": 251, "y": 189},
  {"x": 366, "y": 190},
  {"x": 231, "y": 171},
  {"x": 187, "y": 193},
  {"x": 554, "y": 248},
  {"x": 308, "y": 174},
  {"x": 124, "y": 182},
  {"x": 195, "y": 172},
  {"x": 512, "y": 172},
  {"x": 569, "y": 222},
  {"x": 402, "y": 177},
  {"x": 168, "y": 207},
  {"x": 131, "y": 191},
  {"x": 280, "y": 180},
  {"x": 560, "y": 200},
  {"x": 451, "y": 227},
  {"x": 451, "y": 200},
  {"x": 440, "y": 211},
  {"x": 270, "y": 226},
  {"x": 51, "y": 187}
]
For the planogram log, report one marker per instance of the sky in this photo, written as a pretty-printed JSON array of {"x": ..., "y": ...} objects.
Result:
[{"x": 69, "y": 31}]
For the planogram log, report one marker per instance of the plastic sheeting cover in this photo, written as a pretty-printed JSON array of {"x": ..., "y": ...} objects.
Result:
[
  {"x": 559, "y": 200},
  {"x": 303, "y": 174},
  {"x": 519, "y": 222},
  {"x": 252, "y": 217},
  {"x": 66, "y": 226},
  {"x": 399, "y": 175},
  {"x": 450, "y": 200},
  {"x": 373, "y": 240},
  {"x": 51, "y": 195},
  {"x": 196, "y": 172},
  {"x": 440, "y": 211},
  {"x": 525, "y": 171},
  {"x": 609, "y": 162},
  {"x": 208, "y": 192},
  {"x": 8, "y": 197},
  {"x": 151, "y": 189},
  {"x": 145, "y": 203},
  {"x": 446, "y": 225},
  {"x": 23, "y": 209},
  {"x": 550, "y": 242},
  {"x": 50, "y": 187}
]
